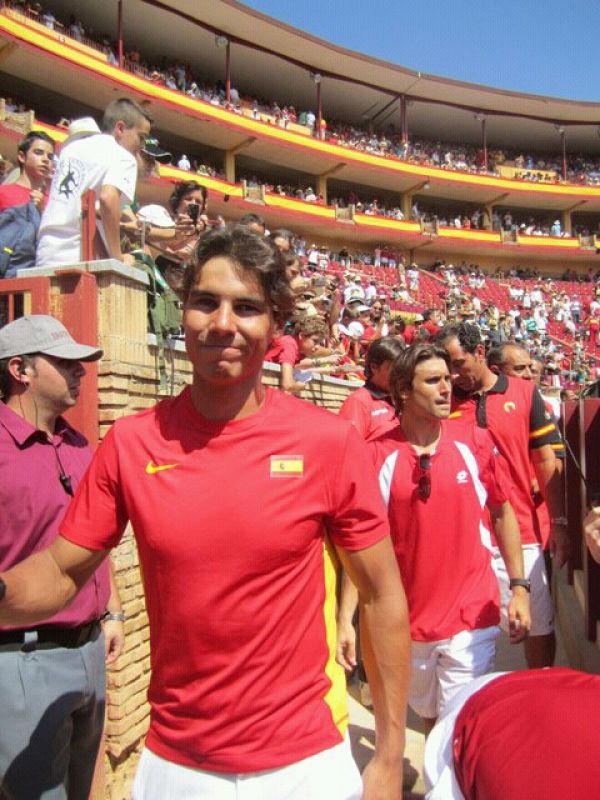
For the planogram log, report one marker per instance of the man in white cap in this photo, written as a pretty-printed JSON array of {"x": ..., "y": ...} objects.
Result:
[
  {"x": 105, "y": 163},
  {"x": 52, "y": 675}
]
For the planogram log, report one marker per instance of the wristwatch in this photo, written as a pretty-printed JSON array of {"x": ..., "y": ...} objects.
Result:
[
  {"x": 114, "y": 616},
  {"x": 526, "y": 584}
]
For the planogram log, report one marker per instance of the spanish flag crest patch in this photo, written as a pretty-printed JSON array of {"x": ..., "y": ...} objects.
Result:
[{"x": 286, "y": 466}]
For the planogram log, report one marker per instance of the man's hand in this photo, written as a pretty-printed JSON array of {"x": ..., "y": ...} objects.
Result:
[
  {"x": 114, "y": 639},
  {"x": 560, "y": 544},
  {"x": 382, "y": 780},
  {"x": 591, "y": 530},
  {"x": 37, "y": 197},
  {"x": 345, "y": 652},
  {"x": 519, "y": 616}
]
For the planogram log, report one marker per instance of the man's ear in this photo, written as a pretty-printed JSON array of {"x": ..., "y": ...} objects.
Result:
[
  {"x": 120, "y": 126},
  {"x": 18, "y": 370},
  {"x": 495, "y": 369}
]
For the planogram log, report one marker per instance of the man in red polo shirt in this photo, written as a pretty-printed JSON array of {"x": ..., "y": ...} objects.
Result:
[
  {"x": 514, "y": 360},
  {"x": 440, "y": 489},
  {"x": 237, "y": 495},
  {"x": 370, "y": 408},
  {"x": 514, "y": 413}
]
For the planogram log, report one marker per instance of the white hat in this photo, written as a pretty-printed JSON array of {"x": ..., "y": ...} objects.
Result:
[
  {"x": 156, "y": 215},
  {"x": 40, "y": 333},
  {"x": 355, "y": 329},
  {"x": 79, "y": 128}
]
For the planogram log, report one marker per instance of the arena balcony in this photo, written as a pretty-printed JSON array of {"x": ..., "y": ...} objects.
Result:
[
  {"x": 30, "y": 44},
  {"x": 31, "y": 48}
]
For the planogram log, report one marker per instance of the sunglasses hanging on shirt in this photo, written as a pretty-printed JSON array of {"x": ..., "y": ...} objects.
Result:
[{"x": 424, "y": 482}]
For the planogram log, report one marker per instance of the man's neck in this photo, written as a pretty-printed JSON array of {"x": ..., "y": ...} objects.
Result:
[
  {"x": 421, "y": 432},
  {"x": 488, "y": 381},
  {"x": 227, "y": 402},
  {"x": 41, "y": 418},
  {"x": 25, "y": 180}
]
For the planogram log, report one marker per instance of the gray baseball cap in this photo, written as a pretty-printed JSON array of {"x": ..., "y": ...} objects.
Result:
[{"x": 38, "y": 333}]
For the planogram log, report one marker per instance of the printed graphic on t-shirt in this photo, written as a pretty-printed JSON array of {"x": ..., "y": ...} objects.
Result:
[{"x": 68, "y": 179}]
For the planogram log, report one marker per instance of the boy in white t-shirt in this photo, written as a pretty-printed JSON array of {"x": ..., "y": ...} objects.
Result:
[{"x": 105, "y": 163}]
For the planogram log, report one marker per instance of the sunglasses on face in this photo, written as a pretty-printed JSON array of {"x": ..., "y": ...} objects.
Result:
[{"x": 424, "y": 482}]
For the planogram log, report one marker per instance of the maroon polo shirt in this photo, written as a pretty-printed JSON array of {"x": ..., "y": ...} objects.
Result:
[{"x": 33, "y": 502}]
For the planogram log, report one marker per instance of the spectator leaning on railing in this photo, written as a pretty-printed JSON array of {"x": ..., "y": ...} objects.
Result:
[{"x": 104, "y": 163}]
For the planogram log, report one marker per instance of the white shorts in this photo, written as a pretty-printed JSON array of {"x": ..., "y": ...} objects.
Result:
[
  {"x": 438, "y": 761},
  {"x": 542, "y": 610},
  {"x": 329, "y": 775},
  {"x": 440, "y": 669}
]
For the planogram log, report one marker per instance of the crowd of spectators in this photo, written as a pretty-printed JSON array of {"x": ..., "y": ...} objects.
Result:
[{"x": 179, "y": 76}]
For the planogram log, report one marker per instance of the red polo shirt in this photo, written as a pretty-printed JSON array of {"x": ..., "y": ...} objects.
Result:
[
  {"x": 442, "y": 543},
  {"x": 514, "y": 413},
  {"x": 233, "y": 522},
  {"x": 370, "y": 411},
  {"x": 33, "y": 502}
]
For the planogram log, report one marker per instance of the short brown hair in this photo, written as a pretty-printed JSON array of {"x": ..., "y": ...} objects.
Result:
[
  {"x": 123, "y": 110},
  {"x": 252, "y": 253},
  {"x": 403, "y": 371},
  {"x": 309, "y": 326}
]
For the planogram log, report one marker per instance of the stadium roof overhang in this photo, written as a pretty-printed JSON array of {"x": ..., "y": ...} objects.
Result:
[{"x": 274, "y": 60}]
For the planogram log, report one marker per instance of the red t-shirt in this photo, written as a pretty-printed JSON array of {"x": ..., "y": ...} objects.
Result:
[
  {"x": 371, "y": 413},
  {"x": 409, "y": 334},
  {"x": 12, "y": 194},
  {"x": 442, "y": 544},
  {"x": 232, "y": 521},
  {"x": 283, "y": 350},
  {"x": 514, "y": 413},
  {"x": 431, "y": 327},
  {"x": 530, "y": 734}
]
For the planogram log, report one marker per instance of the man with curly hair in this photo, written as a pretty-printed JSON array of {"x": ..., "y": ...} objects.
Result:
[{"x": 238, "y": 495}]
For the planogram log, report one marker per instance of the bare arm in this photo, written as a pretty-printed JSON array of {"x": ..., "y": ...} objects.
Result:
[
  {"x": 110, "y": 212},
  {"x": 46, "y": 582},
  {"x": 506, "y": 528},
  {"x": 549, "y": 477},
  {"x": 114, "y": 630},
  {"x": 346, "y": 635},
  {"x": 386, "y": 649},
  {"x": 591, "y": 529},
  {"x": 287, "y": 381}
]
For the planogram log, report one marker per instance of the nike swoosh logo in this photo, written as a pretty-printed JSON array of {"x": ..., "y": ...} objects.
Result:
[{"x": 152, "y": 469}]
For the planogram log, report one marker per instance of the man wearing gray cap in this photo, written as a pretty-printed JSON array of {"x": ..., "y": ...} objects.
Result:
[{"x": 52, "y": 675}]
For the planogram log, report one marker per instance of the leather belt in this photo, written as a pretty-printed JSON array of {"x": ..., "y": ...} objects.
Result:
[{"x": 48, "y": 637}]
